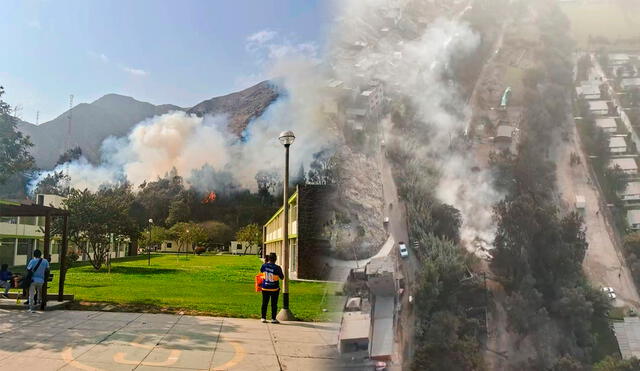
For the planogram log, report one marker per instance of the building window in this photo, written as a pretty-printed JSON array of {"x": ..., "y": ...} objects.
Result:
[
  {"x": 25, "y": 246},
  {"x": 239, "y": 246},
  {"x": 293, "y": 250},
  {"x": 169, "y": 245},
  {"x": 9, "y": 219},
  {"x": 29, "y": 220}
]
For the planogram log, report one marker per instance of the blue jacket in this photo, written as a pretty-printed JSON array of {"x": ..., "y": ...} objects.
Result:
[
  {"x": 5, "y": 275},
  {"x": 272, "y": 274}
]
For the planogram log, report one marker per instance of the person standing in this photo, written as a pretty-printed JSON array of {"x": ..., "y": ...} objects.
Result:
[
  {"x": 40, "y": 269},
  {"x": 272, "y": 275},
  {"x": 6, "y": 277}
]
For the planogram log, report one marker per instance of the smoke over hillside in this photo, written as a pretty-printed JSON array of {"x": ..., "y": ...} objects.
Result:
[
  {"x": 389, "y": 41},
  {"x": 188, "y": 143}
]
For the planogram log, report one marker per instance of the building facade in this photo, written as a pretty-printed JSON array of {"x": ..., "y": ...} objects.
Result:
[
  {"x": 21, "y": 236},
  {"x": 306, "y": 243}
]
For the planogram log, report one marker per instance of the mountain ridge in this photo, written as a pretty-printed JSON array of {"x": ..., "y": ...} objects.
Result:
[{"x": 116, "y": 114}]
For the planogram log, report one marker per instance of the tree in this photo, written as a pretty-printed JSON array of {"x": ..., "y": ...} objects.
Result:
[
  {"x": 94, "y": 219},
  {"x": 611, "y": 363},
  {"x": 251, "y": 233},
  {"x": 189, "y": 235},
  {"x": 324, "y": 168},
  {"x": 70, "y": 156},
  {"x": 218, "y": 233},
  {"x": 157, "y": 236},
  {"x": 447, "y": 222},
  {"x": 56, "y": 183},
  {"x": 14, "y": 147}
]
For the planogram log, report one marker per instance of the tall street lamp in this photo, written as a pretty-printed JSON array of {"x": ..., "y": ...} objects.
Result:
[
  {"x": 149, "y": 245},
  {"x": 286, "y": 138}
]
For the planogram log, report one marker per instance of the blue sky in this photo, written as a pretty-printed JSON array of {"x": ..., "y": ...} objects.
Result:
[{"x": 159, "y": 51}]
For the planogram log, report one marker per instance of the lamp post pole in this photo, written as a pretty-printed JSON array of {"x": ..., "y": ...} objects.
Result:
[
  {"x": 286, "y": 138},
  {"x": 149, "y": 245}
]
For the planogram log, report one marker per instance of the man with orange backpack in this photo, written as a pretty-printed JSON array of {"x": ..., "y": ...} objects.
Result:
[{"x": 271, "y": 274}]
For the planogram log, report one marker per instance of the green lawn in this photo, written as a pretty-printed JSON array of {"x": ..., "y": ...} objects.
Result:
[{"x": 212, "y": 285}]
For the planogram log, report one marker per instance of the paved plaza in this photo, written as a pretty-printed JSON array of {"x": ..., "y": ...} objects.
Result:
[{"x": 86, "y": 340}]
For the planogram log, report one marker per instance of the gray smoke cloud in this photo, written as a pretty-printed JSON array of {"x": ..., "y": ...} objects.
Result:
[
  {"x": 390, "y": 41},
  {"x": 202, "y": 144}
]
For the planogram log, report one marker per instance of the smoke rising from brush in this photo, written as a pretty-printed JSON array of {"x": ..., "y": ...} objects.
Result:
[
  {"x": 204, "y": 152},
  {"x": 389, "y": 42}
]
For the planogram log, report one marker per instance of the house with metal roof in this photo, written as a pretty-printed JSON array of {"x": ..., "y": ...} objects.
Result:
[
  {"x": 633, "y": 219},
  {"x": 631, "y": 192},
  {"x": 589, "y": 91},
  {"x": 607, "y": 124},
  {"x": 617, "y": 145},
  {"x": 630, "y": 82},
  {"x": 598, "y": 107},
  {"x": 628, "y": 165}
]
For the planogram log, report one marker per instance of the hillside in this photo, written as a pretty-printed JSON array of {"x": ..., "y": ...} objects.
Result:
[
  {"x": 115, "y": 115},
  {"x": 243, "y": 105}
]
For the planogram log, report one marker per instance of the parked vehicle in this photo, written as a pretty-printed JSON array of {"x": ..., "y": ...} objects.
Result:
[
  {"x": 386, "y": 220},
  {"x": 611, "y": 293},
  {"x": 404, "y": 252}
]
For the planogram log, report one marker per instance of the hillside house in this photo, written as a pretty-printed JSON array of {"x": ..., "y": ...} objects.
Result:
[
  {"x": 630, "y": 83},
  {"x": 618, "y": 59},
  {"x": 589, "y": 91},
  {"x": 627, "y": 165},
  {"x": 617, "y": 145},
  {"x": 633, "y": 219},
  {"x": 607, "y": 124},
  {"x": 631, "y": 193},
  {"x": 599, "y": 107}
]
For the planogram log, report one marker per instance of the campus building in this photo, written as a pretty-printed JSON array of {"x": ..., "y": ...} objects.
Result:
[
  {"x": 20, "y": 236},
  {"x": 307, "y": 218}
]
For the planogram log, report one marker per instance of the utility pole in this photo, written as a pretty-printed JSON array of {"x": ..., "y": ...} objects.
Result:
[{"x": 69, "y": 117}]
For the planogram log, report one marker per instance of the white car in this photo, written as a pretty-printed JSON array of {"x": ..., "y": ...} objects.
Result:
[
  {"x": 386, "y": 220},
  {"x": 611, "y": 293},
  {"x": 404, "y": 253}
]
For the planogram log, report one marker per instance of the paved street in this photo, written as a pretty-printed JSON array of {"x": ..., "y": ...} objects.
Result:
[{"x": 85, "y": 340}]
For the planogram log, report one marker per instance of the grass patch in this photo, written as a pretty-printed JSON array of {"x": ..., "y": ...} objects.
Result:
[{"x": 211, "y": 285}]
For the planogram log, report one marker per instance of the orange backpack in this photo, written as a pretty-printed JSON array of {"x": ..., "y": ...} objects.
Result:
[{"x": 259, "y": 281}]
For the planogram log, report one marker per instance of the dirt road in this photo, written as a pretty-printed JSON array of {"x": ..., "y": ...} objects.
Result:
[{"x": 603, "y": 263}]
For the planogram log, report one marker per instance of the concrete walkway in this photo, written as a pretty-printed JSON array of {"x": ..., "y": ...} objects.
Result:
[{"x": 85, "y": 340}]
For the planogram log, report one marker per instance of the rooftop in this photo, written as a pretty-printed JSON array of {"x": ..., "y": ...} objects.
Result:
[
  {"x": 505, "y": 131},
  {"x": 355, "y": 325},
  {"x": 598, "y": 105},
  {"x": 633, "y": 217},
  {"x": 617, "y": 142},
  {"x": 588, "y": 89},
  {"x": 633, "y": 188},
  {"x": 625, "y": 163},
  {"x": 606, "y": 123},
  {"x": 382, "y": 337},
  {"x": 630, "y": 81},
  {"x": 379, "y": 265}
]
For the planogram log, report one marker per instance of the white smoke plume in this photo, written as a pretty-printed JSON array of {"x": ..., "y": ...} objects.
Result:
[
  {"x": 189, "y": 143},
  {"x": 389, "y": 41}
]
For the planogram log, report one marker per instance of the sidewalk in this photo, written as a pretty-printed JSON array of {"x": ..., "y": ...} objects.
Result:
[{"x": 84, "y": 340}]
